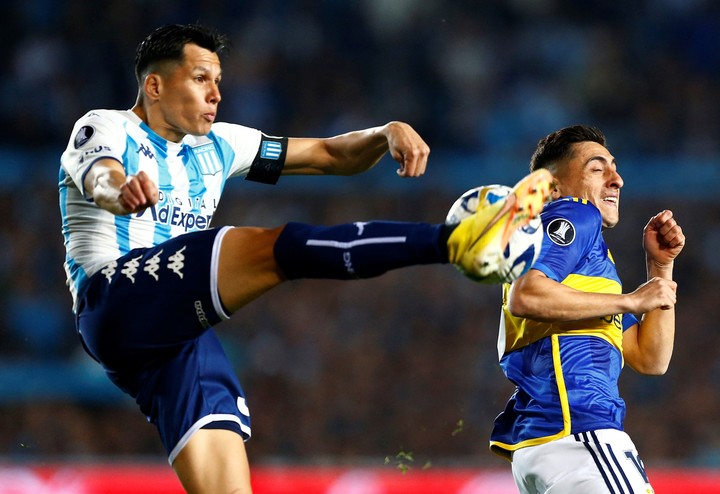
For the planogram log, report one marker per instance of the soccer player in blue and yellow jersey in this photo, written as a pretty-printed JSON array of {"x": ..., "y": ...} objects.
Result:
[
  {"x": 567, "y": 328},
  {"x": 150, "y": 278}
]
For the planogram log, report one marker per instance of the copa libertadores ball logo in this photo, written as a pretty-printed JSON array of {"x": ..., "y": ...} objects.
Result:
[
  {"x": 83, "y": 135},
  {"x": 561, "y": 231}
]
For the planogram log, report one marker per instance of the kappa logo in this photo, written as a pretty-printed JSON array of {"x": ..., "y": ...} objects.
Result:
[
  {"x": 177, "y": 262},
  {"x": 561, "y": 231},
  {"x": 146, "y": 151},
  {"x": 152, "y": 265},
  {"x": 83, "y": 135},
  {"x": 130, "y": 268},
  {"x": 109, "y": 271}
]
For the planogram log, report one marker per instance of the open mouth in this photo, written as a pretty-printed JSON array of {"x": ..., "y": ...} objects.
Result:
[{"x": 611, "y": 200}]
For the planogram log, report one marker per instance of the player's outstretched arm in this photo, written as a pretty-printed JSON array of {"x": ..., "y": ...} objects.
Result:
[
  {"x": 358, "y": 151},
  {"x": 116, "y": 192}
]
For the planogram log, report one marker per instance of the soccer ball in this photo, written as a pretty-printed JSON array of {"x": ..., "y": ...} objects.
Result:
[{"x": 524, "y": 247}]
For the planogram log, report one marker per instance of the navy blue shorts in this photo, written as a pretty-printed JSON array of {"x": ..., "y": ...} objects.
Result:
[{"x": 147, "y": 318}]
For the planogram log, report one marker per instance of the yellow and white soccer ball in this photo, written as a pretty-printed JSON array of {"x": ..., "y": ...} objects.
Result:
[{"x": 525, "y": 243}]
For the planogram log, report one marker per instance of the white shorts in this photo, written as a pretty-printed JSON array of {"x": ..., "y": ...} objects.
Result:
[{"x": 596, "y": 462}]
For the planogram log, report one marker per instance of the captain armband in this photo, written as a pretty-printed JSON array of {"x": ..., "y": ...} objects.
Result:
[{"x": 270, "y": 160}]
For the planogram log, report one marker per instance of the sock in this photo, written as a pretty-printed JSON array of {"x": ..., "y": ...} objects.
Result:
[{"x": 358, "y": 250}]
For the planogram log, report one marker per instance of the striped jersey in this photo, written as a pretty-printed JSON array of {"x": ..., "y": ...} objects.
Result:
[
  {"x": 190, "y": 176},
  {"x": 566, "y": 374}
]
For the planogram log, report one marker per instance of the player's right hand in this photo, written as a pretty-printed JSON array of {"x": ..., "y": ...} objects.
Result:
[
  {"x": 138, "y": 193},
  {"x": 407, "y": 148},
  {"x": 656, "y": 293}
]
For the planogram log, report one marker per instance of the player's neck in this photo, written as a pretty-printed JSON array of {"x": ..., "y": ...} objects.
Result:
[
  {"x": 156, "y": 124},
  {"x": 140, "y": 112}
]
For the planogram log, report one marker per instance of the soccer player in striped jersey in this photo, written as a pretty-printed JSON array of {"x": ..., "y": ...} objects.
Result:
[
  {"x": 150, "y": 278},
  {"x": 567, "y": 328}
]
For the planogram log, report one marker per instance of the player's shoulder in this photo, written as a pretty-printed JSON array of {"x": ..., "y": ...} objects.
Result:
[
  {"x": 226, "y": 126},
  {"x": 565, "y": 218},
  {"x": 227, "y": 130},
  {"x": 107, "y": 120},
  {"x": 574, "y": 208},
  {"x": 222, "y": 134},
  {"x": 104, "y": 115},
  {"x": 101, "y": 122}
]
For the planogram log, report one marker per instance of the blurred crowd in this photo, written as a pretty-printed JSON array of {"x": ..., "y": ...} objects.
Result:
[
  {"x": 470, "y": 75},
  {"x": 405, "y": 362}
]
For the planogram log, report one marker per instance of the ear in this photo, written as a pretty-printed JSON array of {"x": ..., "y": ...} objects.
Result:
[
  {"x": 152, "y": 86},
  {"x": 556, "y": 191}
]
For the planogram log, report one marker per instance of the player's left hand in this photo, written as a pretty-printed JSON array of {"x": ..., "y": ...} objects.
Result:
[
  {"x": 407, "y": 148},
  {"x": 663, "y": 239}
]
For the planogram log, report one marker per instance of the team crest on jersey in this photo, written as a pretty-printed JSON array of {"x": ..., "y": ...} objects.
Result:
[
  {"x": 207, "y": 159},
  {"x": 270, "y": 150},
  {"x": 561, "y": 231},
  {"x": 83, "y": 135}
]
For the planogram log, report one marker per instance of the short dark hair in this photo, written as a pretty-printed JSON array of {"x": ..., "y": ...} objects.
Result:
[
  {"x": 167, "y": 43},
  {"x": 558, "y": 145}
]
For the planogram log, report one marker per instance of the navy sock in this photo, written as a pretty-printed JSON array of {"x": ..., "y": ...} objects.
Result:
[{"x": 358, "y": 250}]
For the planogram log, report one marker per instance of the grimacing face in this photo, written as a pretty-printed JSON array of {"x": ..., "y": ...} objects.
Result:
[
  {"x": 591, "y": 173},
  {"x": 188, "y": 95}
]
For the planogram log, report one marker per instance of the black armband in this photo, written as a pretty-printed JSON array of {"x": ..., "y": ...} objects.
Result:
[{"x": 270, "y": 160}]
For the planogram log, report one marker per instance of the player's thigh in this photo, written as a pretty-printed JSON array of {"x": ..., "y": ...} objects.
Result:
[
  {"x": 214, "y": 461},
  {"x": 246, "y": 265},
  {"x": 596, "y": 462}
]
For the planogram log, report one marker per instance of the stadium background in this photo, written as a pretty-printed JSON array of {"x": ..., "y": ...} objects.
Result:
[{"x": 362, "y": 374}]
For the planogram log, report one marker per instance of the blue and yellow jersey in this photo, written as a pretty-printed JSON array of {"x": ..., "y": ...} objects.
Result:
[{"x": 565, "y": 373}]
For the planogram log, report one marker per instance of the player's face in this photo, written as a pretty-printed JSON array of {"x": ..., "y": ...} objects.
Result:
[
  {"x": 591, "y": 173},
  {"x": 189, "y": 95}
]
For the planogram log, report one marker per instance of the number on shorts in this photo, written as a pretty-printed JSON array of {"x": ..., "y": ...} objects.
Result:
[{"x": 635, "y": 458}]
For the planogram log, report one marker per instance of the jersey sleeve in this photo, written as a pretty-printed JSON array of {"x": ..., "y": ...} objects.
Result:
[
  {"x": 95, "y": 136},
  {"x": 571, "y": 227},
  {"x": 257, "y": 156},
  {"x": 629, "y": 320}
]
